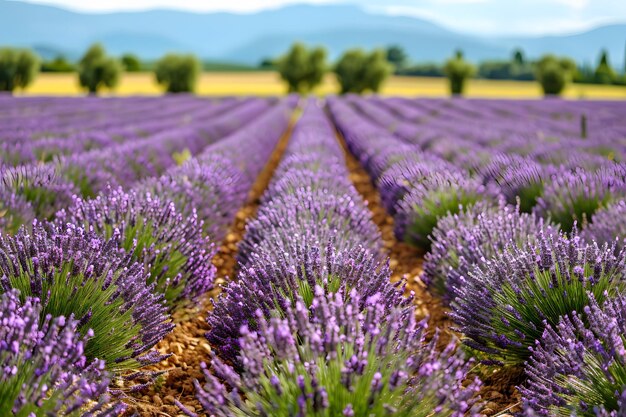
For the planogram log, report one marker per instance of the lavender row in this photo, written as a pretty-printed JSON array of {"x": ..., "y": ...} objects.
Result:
[
  {"x": 522, "y": 292},
  {"x": 417, "y": 188},
  {"x": 23, "y": 150},
  {"x": 311, "y": 290},
  {"x": 101, "y": 307},
  {"x": 41, "y": 190},
  {"x": 173, "y": 224},
  {"x": 37, "y": 118}
]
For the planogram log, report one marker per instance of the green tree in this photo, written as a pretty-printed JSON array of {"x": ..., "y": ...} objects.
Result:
[
  {"x": 96, "y": 70},
  {"x": 604, "y": 73},
  {"x": 131, "y": 63},
  {"x": 397, "y": 57},
  {"x": 302, "y": 69},
  {"x": 178, "y": 73},
  {"x": 58, "y": 64},
  {"x": 518, "y": 57},
  {"x": 555, "y": 73},
  {"x": 18, "y": 68},
  {"x": 358, "y": 71},
  {"x": 458, "y": 71}
]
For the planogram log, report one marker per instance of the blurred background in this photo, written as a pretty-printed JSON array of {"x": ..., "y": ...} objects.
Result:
[{"x": 478, "y": 48}]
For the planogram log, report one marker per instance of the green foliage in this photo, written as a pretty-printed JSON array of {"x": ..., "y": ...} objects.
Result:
[
  {"x": 555, "y": 73},
  {"x": 58, "y": 64},
  {"x": 423, "y": 70},
  {"x": 178, "y": 73},
  {"x": 397, "y": 57},
  {"x": 515, "y": 69},
  {"x": 458, "y": 71},
  {"x": 332, "y": 379},
  {"x": 544, "y": 296},
  {"x": 18, "y": 68},
  {"x": 302, "y": 69},
  {"x": 358, "y": 71},
  {"x": 604, "y": 73},
  {"x": 96, "y": 70},
  {"x": 131, "y": 63},
  {"x": 268, "y": 63},
  {"x": 518, "y": 57},
  {"x": 70, "y": 293},
  {"x": 436, "y": 205}
]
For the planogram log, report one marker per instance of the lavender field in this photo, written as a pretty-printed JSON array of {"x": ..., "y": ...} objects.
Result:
[{"x": 352, "y": 256}]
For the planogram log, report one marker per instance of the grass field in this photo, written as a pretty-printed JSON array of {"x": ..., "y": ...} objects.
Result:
[{"x": 269, "y": 83}]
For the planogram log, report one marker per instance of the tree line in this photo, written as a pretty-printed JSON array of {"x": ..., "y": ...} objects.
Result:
[
  {"x": 97, "y": 70},
  {"x": 303, "y": 69}
]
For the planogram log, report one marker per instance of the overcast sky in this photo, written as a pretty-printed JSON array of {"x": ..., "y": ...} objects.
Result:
[{"x": 501, "y": 17}]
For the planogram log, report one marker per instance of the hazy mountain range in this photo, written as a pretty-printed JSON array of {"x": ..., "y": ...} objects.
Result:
[{"x": 249, "y": 38}]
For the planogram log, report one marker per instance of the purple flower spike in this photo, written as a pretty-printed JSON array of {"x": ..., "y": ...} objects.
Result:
[
  {"x": 43, "y": 365},
  {"x": 78, "y": 274}
]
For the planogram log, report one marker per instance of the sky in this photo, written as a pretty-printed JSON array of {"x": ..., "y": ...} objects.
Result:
[{"x": 483, "y": 17}]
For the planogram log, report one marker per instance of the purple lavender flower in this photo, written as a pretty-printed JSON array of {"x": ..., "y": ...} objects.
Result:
[
  {"x": 579, "y": 365},
  {"x": 436, "y": 196},
  {"x": 77, "y": 273},
  {"x": 461, "y": 241},
  {"x": 574, "y": 197},
  {"x": 504, "y": 304},
  {"x": 339, "y": 355},
  {"x": 518, "y": 178},
  {"x": 14, "y": 211},
  {"x": 43, "y": 368},
  {"x": 608, "y": 226},
  {"x": 39, "y": 185},
  {"x": 274, "y": 278},
  {"x": 169, "y": 245},
  {"x": 214, "y": 188}
]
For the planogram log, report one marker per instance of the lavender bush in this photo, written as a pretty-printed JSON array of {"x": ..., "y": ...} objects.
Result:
[
  {"x": 43, "y": 368},
  {"x": 504, "y": 304},
  {"x": 39, "y": 185},
  {"x": 213, "y": 187},
  {"x": 438, "y": 195},
  {"x": 333, "y": 358},
  {"x": 579, "y": 365},
  {"x": 274, "y": 279},
  {"x": 608, "y": 225},
  {"x": 169, "y": 245},
  {"x": 14, "y": 211},
  {"x": 76, "y": 273},
  {"x": 519, "y": 178},
  {"x": 574, "y": 197},
  {"x": 469, "y": 238}
]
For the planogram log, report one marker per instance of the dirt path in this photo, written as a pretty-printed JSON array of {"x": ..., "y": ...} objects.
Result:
[{"x": 187, "y": 342}]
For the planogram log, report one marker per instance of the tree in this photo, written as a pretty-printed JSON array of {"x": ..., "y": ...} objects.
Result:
[
  {"x": 18, "y": 68},
  {"x": 302, "y": 69},
  {"x": 604, "y": 73},
  {"x": 58, "y": 64},
  {"x": 518, "y": 57},
  {"x": 358, "y": 71},
  {"x": 96, "y": 70},
  {"x": 555, "y": 73},
  {"x": 131, "y": 63},
  {"x": 458, "y": 71},
  {"x": 397, "y": 57},
  {"x": 178, "y": 73}
]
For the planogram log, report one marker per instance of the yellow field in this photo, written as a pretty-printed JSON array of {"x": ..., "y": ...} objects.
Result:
[{"x": 269, "y": 83}]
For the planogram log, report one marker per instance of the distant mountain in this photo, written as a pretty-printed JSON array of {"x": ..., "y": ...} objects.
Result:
[{"x": 248, "y": 38}]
